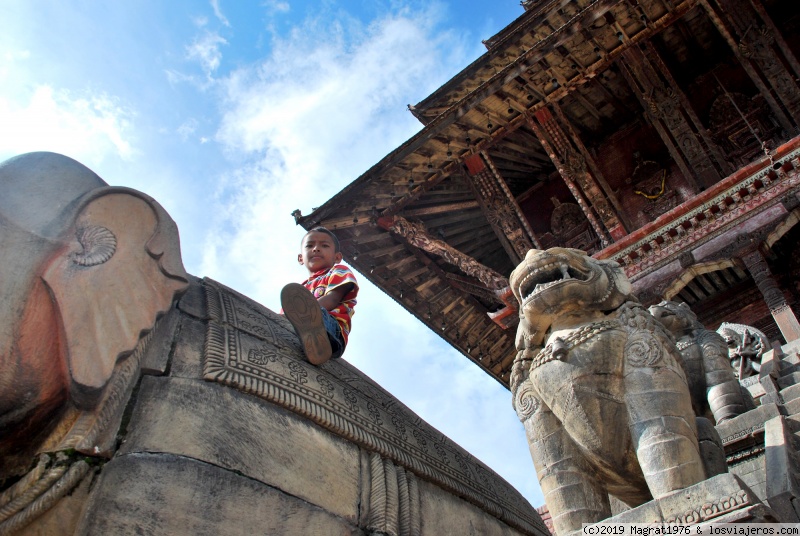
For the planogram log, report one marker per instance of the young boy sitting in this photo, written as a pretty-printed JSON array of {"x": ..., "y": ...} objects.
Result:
[{"x": 321, "y": 307}]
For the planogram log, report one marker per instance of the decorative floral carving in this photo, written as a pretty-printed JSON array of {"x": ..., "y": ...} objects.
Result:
[
  {"x": 298, "y": 373},
  {"x": 261, "y": 356},
  {"x": 350, "y": 399},
  {"x": 643, "y": 350},
  {"x": 325, "y": 385}
]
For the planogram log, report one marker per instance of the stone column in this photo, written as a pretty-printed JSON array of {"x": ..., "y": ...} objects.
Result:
[{"x": 776, "y": 301}]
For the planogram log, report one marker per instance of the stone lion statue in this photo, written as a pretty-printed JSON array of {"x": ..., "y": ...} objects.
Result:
[
  {"x": 716, "y": 392},
  {"x": 599, "y": 386}
]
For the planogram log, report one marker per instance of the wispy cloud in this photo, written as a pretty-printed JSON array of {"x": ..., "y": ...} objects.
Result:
[
  {"x": 277, "y": 6},
  {"x": 86, "y": 126},
  {"x": 187, "y": 128},
  {"x": 326, "y": 104},
  {"x": 205, "y": 50},
  {"x": 218, "y": 13}
]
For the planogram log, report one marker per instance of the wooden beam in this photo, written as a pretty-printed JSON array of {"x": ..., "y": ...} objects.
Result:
[
  {"x": 439, "y": 209},
  {"x": 417, "y": 236}
]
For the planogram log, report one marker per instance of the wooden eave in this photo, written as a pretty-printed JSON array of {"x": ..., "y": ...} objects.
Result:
[{"x": 560, "y": 52}]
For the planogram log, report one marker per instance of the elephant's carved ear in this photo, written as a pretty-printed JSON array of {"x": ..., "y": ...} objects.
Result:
[
  {"x": 98, "y": 245},
  {"x": 109, "y": 286}
]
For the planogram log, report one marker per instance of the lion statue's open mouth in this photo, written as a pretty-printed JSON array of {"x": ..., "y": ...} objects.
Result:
[
  {"x": 561, "y": 281},
  {"x": 548, "y": 273}
]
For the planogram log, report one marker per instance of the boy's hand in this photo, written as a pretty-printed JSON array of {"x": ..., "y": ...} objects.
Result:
[{"x": 334, "y": 297}]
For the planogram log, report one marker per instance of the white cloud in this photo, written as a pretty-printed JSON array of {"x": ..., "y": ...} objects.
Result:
[
  {"x": 218, "y": 13},
  {"x": 277, "y": 6},
  {"x": 86, "y": 126},
  {"x": 187, "y": 128},
  {"x": 200, "y": 21},
  {"x": 307, "y": 120},
  {"x": 205, "y": 49}
]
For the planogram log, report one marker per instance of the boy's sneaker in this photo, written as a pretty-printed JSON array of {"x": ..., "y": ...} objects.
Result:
[{"x": 304, "y": 312}]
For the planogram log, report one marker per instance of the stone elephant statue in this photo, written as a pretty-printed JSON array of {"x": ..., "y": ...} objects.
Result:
[{"x": 76, "y": 294}]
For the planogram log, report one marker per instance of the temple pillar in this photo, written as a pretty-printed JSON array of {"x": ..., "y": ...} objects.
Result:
[
  {"x": 774, "y": 297},
  {"x": 573, "y": 167},
  {"x": 668, "y": 110},
  {"x": 763, "y": 54},
  {"x": 499, "y": 206}
]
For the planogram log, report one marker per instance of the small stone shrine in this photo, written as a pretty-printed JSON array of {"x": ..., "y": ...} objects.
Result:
[{"x": 138, "y": 399}]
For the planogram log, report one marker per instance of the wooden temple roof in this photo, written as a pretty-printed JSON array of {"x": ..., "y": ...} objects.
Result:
[{"x": 563, "y": 133}]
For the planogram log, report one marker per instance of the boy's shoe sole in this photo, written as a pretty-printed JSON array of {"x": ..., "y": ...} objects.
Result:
[{"x": 304, "y": 312}]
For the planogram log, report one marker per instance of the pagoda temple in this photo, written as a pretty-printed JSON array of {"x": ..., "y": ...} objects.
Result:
[{"x": 662, "y": 134}]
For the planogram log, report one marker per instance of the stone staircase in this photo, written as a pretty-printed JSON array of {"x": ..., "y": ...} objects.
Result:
[{"x": 762, "y": 446}]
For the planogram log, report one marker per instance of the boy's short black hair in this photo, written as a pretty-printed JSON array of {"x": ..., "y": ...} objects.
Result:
[{"x": 336, "y": 246}]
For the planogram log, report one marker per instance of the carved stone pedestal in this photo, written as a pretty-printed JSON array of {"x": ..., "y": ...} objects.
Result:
[{"x": 721, "y": 499}]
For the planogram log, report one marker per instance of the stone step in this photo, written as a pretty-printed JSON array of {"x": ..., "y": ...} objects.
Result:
[
  {"x": 792, "y": 352},
  {"x": 791, "y": 358},
  {"x": 792, "y": 407},
  {"x": 789, "y": 379},
  {"x": 787, "y": 367}
]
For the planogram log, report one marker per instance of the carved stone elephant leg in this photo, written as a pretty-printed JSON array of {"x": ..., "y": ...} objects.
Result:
[
  {"x": 663, "y": 428},
  {"x": 571, "y": 490}
]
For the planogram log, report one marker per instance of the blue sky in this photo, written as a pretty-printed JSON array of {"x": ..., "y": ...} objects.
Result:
[{"x": 232, "y": 115}]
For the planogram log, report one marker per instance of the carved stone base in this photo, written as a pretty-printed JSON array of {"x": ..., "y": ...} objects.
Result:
[{"x": 720, "y": 499}]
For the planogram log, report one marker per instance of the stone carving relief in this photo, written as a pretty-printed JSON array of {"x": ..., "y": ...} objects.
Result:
[
  {"x": 715, "y": 390},
  {"x": 392, "y": 504},
  {"x": 599, "y": 386},
  {"x": 570, "y": 228},
  {"x": 339, "y": 399},
  {"x": 746, "y": 345},
  {"x": 75, "y": 253}
]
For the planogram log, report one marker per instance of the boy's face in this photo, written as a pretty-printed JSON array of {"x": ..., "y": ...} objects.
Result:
[{"x": 318, "y": 252}]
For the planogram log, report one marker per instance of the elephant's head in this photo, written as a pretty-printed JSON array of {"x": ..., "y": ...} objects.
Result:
[{"x": 86, "y": 270}]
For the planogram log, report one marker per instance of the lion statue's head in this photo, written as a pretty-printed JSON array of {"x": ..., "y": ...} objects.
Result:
[
  {"x": 676, "y": 317},
  {"x": 562, "y": 281}
]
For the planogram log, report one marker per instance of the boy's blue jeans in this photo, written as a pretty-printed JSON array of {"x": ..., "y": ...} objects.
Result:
[{"x": 334, "y": 333}]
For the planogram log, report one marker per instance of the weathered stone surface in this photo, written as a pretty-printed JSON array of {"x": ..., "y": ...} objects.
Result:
[
  {"x": 709, "y": 500},
  {"x": 715, "y": 389},
  {"x": 253, "y": 438},
  {"x": 193, "y": 301},
  {"x": 781, "y": 469},
  {"x": 746, "y": 425},
  {"x": 599, "y": 385},
  {"x": 247, "y": 348},
  {"x": 212, "y": 419},
  {"x": 187, "y": 358},
  {"x": 155, "y": 358},
  {"x": 87, "y": 269},
  {"x": 444, "y": 514},
  {"x": 158, "y": 494}
]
